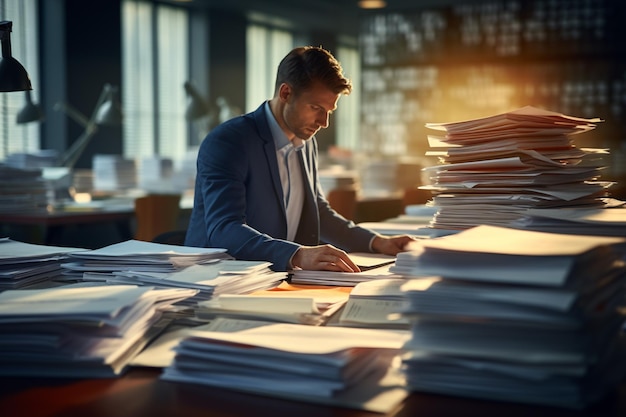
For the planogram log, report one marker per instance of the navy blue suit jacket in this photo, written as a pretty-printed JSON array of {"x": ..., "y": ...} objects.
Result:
[{"x": 238, "y": 202}]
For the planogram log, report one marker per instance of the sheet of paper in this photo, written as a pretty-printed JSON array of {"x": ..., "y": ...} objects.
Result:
[
  {"x": 501, "y": 240},
  {"x": 13, "y": 250},
  {"x": 269, "y": 304},
  {"x": 160, "y": 353},
  {"x": 309, "y": 339}
]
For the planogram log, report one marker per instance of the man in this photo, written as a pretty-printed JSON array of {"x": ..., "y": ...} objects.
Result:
[{"x": 257, "y": 192}]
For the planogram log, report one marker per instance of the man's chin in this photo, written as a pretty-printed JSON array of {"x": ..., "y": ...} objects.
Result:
[{"x": 304, "y": 137}]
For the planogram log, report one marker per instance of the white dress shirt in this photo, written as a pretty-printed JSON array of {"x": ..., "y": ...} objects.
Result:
[{"x": 289, "y": 155}]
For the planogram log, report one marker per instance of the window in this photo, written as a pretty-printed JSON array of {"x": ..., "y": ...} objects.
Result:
[
  {"x": 265, "y": 47},
  {"x": 155, "y": 67},
  {"x": 348, "y": 109},
  {"x": 20, "y": 138}
]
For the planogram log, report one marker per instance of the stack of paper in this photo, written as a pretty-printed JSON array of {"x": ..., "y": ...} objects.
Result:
[
  {"x": 208, "y": 270},
  {"x": 417, "y": 230},
  {"x": 286, "y": 303},
  {"x": 38, "y": 159},
  {"x": 376, "y": 304},
  {"x": 154, "y": 173},
  {"x": 582, "y": 221},
  {"x": 22, "y": 190},
  {"x": 523, "y": 316},
  {"x": 343, "y": 367},
  {"x": 112, "y": 173},
  {"x": 25, "y": 264},
  {"x": 495, "y": 168},
  {"x": 222, "y": 276},
  {"x": 137, "y": 255},
  {"x": 79, "y": 332},
  {"x": 296, "y": 310},
  {"x": 373, "y": 266}
]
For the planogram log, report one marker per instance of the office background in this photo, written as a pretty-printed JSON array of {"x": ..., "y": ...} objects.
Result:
[{"x": 413, "y": 62}]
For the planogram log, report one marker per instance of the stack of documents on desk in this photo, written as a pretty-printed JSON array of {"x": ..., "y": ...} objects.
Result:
[
  {"x": 155, "y": 173},
  {"x": 376, "y": 304},
  {"x": 91, "y": 331},
  {"x": 22, "y": 190},
  {"x": 29, "y": 160},
  {"x": 26, "y": 264},
  {"x": 493, "y": 169},
  {"x": 392, "y": 228},
  {"x": 338, "y": 366},
  {"x": 512, "y": 315},
  {"x": 113, "y": 173},
  {"x": 208, "y": 270},
  {"x": 137, "y": 255},
  {"x": 223, "y": 276},
  {"x": 286, "y": 303},
  {"x": 582, "y": 221},
  {"x": 373, "y": 266},
  {"x": 343, "y": 279}
]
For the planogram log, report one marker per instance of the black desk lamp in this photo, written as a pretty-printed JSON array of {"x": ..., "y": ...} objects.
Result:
[
  {"x": 30, "y": 112},
  {"x": 107, "y": 111},
  {"x": 13, "y": 76}
]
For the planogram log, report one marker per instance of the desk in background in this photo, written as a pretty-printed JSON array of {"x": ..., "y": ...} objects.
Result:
[
  {"x": 89, "y": 229},
  {"x": 91, "y": 226}
]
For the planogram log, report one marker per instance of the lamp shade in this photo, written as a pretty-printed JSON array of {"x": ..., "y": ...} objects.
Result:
[
  {"x": 30, "y": 112},
  {"x": 109, "y": 112},
  {"x": 13, "y": 76}
]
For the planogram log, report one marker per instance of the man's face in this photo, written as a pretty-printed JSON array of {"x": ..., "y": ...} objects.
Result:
[{"x": 304, "y": 114}]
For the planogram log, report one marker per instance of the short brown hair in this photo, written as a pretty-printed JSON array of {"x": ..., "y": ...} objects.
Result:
[{"x": 305, "y": 65}]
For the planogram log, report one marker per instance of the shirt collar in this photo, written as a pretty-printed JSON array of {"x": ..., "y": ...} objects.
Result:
[{"x": 280, "y": 139}]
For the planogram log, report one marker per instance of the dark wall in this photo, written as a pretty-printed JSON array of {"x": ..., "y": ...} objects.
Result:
[
  {"x": 81, "y": 51},
  {"x": 81, "y": 41},
  {"x": 227, "y": 56}
]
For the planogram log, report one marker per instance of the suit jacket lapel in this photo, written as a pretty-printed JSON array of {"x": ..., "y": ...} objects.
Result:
[
  {"x": 270, "y": 155},
  {"x": 308, "y": 229}
]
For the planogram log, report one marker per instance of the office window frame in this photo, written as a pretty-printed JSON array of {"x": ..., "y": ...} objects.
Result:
[
  {"x": 348, "y": 114},
  {"x": 265, "y": 47},
  {"x": 155, "y": 64}
]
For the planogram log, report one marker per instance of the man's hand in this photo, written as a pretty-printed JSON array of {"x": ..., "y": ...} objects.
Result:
[
  {"x": 323, "y": 257},
  {"x": 391, "y": 245}
]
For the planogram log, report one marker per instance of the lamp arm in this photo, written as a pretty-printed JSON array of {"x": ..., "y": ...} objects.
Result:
[
  {"x": 73, "y": 113},
  {"x": 69, "y": 157},
  {"x": 101, "y": 99},
  {"x": 77, "y": 115}
]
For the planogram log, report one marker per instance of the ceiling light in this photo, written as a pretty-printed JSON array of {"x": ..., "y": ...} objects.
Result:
[{"x": 372, "y": 4}]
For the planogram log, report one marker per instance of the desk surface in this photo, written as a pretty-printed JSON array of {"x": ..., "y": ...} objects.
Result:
[
  {"x": 62, "y": 217},
  {"x": 140, "y": 393},
  {"x": 110, "y": 221}
]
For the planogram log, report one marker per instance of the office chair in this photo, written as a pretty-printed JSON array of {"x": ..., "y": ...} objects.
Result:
[
  {"x": 173, "y": 237},
  {"x": 343, "y": 201},
  {"x": 156, "y": 214}
]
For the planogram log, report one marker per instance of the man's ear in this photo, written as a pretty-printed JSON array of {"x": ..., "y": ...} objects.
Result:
[{"x": 284, "y": 92}]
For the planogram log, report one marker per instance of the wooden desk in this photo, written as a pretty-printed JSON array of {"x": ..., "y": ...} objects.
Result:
[
  {"x": 140, "y": 393},
  {"x": 56, "y": 227}
]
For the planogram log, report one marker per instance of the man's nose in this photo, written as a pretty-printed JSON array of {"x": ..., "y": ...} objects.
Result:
[{"x": 322, "y": 120}]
